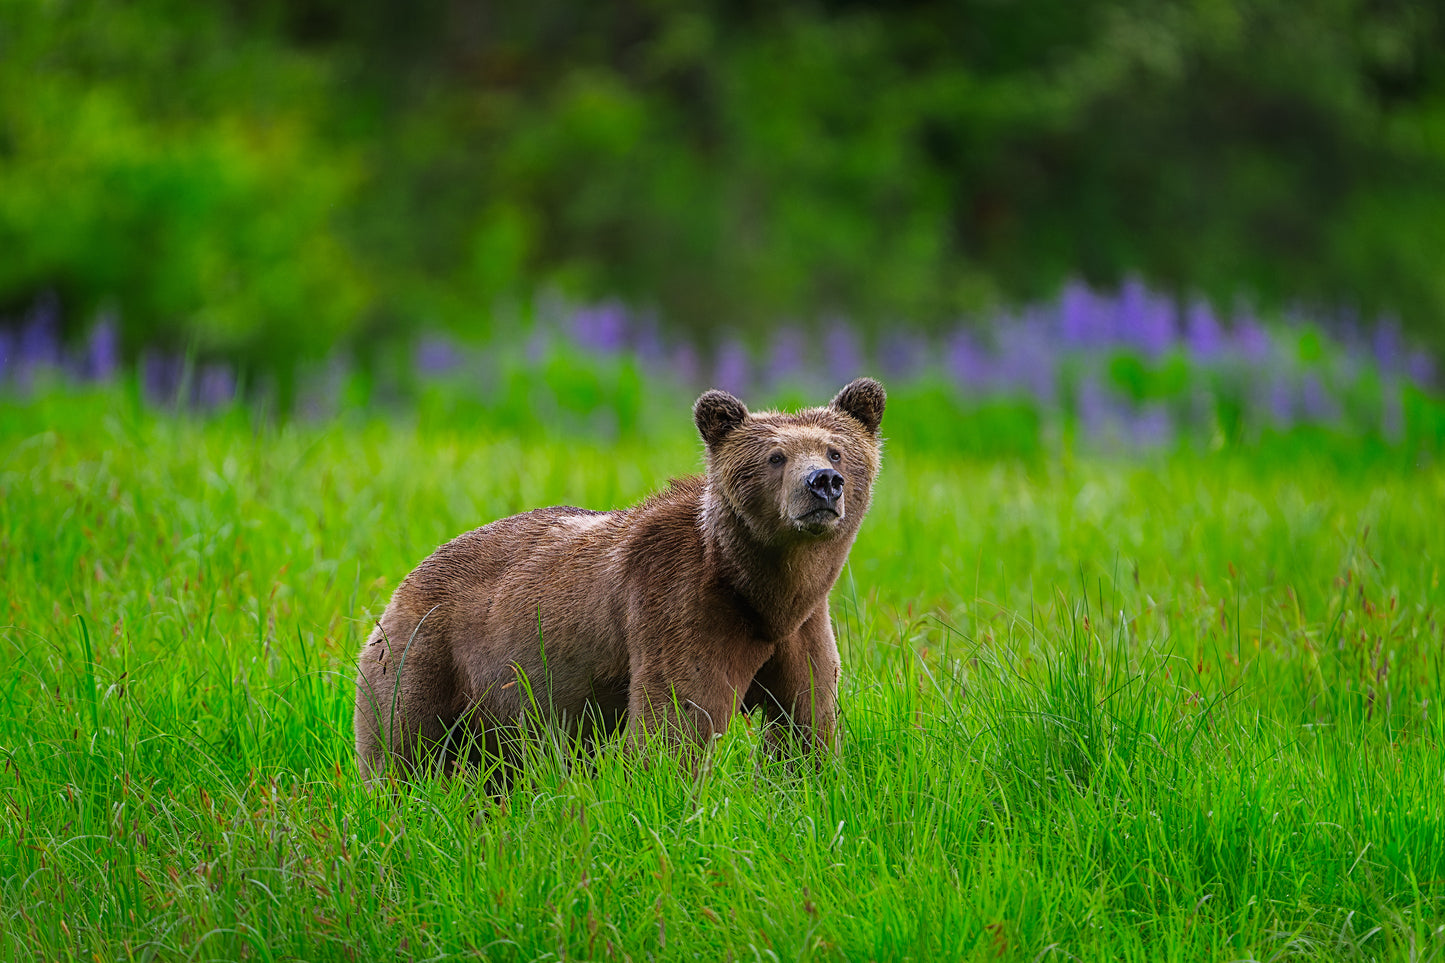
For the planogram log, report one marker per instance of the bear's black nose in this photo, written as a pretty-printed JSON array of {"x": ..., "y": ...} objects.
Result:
[{"x": 826, "y": 483}]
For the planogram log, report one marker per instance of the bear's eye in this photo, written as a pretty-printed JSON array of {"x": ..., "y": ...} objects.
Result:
[
  {"x": 776, "y": 458},
  {"x": 834, "y": 455}
]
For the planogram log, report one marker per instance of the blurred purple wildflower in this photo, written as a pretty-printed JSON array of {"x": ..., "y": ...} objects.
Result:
[
  {"x": 1388, "y": 345},
  {"x": 436, "y": 355},
  {"x": 647, "y": 342},
  {"x": 39, "y": 342},
  {"x": 1027, "y": 362},
  {"x": 600, "y": 328},
  {"x": 1161, "y": 327},
  {"x": 842, "y": 351},
  {"x": 902, "y": 353},
  {"x": 1079, "y": 315},
  {"x": 102, "y": 351},
  {"x": 1420, "y": 366},
  {"x": 215, "y": 386},
  {"x": 1146, "y": 320},
  {"x": 1251, "y": 341},
  {"x": 684, "y": 364},
  {"x": 1316, "y": 403},
  {"x": 1097, "y": 410},
  {"x": 161, "y": 376},
  {"x": 1203, "y": 335},
  {"x": 1279, "y": 400},
  {"x": 733, "y": 368},
  {"x": 786, "y": 357},
  {"x": 966, "y": 362},
  {"x": 539, "y": 345},
  {"x": 1023, "y": 353},
  {"x": 1131, "y": 315},
  {"x": 1152, "y": 427}
]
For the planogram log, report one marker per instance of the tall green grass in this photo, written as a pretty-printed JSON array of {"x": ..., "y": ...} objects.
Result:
[{"x": 1177, "y": 707}]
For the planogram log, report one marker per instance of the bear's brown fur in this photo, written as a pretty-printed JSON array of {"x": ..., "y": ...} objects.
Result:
[{"x": 706, "y": 599}]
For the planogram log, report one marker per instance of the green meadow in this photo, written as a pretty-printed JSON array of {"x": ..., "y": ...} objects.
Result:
[{"x": 1180, "y": 705}]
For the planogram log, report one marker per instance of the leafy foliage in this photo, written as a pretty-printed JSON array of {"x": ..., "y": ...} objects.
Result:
[
  {"x": 134, "y": 177},
  {"x": 261, "y": 179}
]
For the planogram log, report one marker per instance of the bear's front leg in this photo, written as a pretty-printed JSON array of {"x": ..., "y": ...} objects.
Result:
[
  {"x": 691, "y": 696},
  {"x": 797, "y": 688}
]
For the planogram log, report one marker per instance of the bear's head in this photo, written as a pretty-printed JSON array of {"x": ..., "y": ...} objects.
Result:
[{"x": 792, "y": 477}]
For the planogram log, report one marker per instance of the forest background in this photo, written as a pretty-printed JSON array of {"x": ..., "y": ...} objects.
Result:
[{"x": 268, "y": 183}]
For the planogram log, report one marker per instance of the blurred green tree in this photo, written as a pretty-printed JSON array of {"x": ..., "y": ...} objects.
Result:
[
  {"x": 155, "y": 159},
  {"x": 263, "y": 178}
]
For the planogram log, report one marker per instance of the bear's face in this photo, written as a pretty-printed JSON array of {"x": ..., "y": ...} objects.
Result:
[{"x": 795, "y": 476}]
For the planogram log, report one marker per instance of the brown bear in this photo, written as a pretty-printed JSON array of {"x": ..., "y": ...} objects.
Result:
[{"x": 706, "y": 599}]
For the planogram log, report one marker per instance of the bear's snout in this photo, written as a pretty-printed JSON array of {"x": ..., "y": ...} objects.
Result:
[{"x": 826, "y": 483}]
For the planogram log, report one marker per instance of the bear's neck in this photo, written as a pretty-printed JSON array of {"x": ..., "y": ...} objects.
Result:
[{"x": 780, "y": 585}]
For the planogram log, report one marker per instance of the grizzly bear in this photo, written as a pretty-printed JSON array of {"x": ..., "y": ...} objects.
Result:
[{"x": 707, "y": 599}]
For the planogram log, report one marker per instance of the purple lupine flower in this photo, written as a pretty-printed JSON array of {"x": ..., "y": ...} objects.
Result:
[
  {"x": 966, "y": 362},
  {"x": 539, "y": 344},
  {"x": 436, "y": 355},
  {"x": 786, "y": 357},
  {"x": 1026, "y": 360},
  {"x": 600, "y": 328},
  {"x": 684, "y": 365},
  {"x": 1420, "y": 367},
  {"x": 1251, "y": 341},
  {"x": 1316, "y": 404},
  {"x": 7, "y": 351},
  {"x": 647, "y": 341},
  {"x": 102, "y": 351},
  {"x": 1159, "y": 326},
  {"x": 1104, "y": 331},
  {"x": 579, "y": 325},
  {"x": 1131, "y": 312},
  {"x": 902, "y": 354},
  {"x": 161, "y": 376},
  {"x": 1203, "y": 335},
  {"x": 733, "y": 368},
  {"x": 215, "y": 386},
  {"x": 1387, "y": 344},
  {"x": 842, "y": 350},
  {"x": 1094, "y": 406},
  {"x": 1152, "y": 427},
  {"x": 1077, "y": 310},
  {"x": 1279, "y": 400},
  {"x": 39, "y": 344}
]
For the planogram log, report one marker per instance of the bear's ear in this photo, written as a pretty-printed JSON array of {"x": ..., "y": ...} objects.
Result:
[
  {"x": 864, "y": 399},
  {"x": 716, "y": 414}
]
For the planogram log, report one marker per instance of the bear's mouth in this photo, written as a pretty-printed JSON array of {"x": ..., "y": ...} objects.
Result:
[{"x": 822, "y": 516}]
